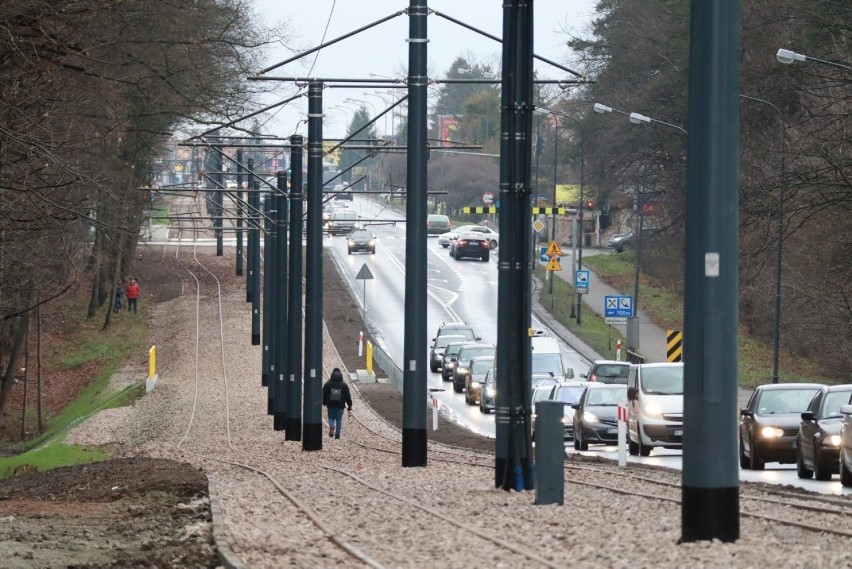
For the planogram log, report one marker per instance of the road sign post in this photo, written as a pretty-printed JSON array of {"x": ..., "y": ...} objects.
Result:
[
  {"x": 364, "y": 275},
  {"x": 617, "y": 309},
  {"x": 581, "y": 281}
]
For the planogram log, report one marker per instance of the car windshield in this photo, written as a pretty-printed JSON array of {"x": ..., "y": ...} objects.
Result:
[
  {"x": 442, "y": 341},
  {"x": 481, "y": 365},
  {"x": 547, "y": 363},
  {"x": 361, "y": 235},
  {"x": 345, "y": 215},
  {"x": 612, "y": 370},
  {"x": 467, "y": 333},
  {"x": 569, "y": 395},
  {"x": 541, "y": 394},
  {"x": 834, "y": 400},
  {"x": 663, "y": 380},
  {"x": 606, "y": 397},
  {"x": 470, "y": 353},
  {"x": 785, "y": 401},
  {"x": 453, "y": 349}
]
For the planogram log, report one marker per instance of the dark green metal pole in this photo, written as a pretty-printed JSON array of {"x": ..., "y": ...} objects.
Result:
[
  {"x": 513, "y": 465},
  {"x": 414, "y": 368},
  {"x": 217, "y": 200},
  {"x": 268, "y": 302},
  {"x": 279, "y": 405},
  {"x": 254, "y": 261},
  {"x": 710, "y": 487},
  {"x": 241, "y": 178},
  {"x": 251, "y": 214},
  {"x": 312, "y": 439},
  {"x": 293, "y": 424}
]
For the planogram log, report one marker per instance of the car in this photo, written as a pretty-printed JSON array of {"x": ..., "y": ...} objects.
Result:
[
  {"x": 769, "y": 423},
  {"x": 457, "y": 329},
  {"x": 342, "y": 192},
  {"x": 547, "y": 364},
  {"x": 479, "y": 367},
  {"x": 540, "y": 392},
  {"x": 445, "y": 239},
  {"x": 437, "y": 224},
  {"x": 488, "y": 392},
  {"x": 361, "y": 240},
  {"x": 608, "y": 371},
  {"x": 330, "y": 207},
  {"x": 845, "y": 465},
  {"x": 568, "y": 393},
  {"x": 470, "y": 244},
  {"x": 462, "y": 368},
  {"x": 341, "y": 221},
  {"x": 818, "y": 442},
  {"x": 654, "y": 407},
  {"x": 436, "y": 352},
  {"x": 448, "y": 362},
  {"x": 596, "y": 415},
  {"x": 619, "y": 241}
]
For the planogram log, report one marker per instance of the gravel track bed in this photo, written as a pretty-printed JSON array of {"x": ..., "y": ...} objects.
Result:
[{"x": 595, "y": 528}]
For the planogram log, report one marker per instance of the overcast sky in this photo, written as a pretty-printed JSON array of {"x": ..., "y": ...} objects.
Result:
[{"x": 383, "y": 50}]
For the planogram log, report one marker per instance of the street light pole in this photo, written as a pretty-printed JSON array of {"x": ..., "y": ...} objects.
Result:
[
  {"x": 786, "y": 56},
  {"x": 776, "y": 336}
]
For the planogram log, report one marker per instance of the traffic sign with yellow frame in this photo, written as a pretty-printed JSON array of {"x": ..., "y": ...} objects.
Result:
[
  {"x": 553, "y": 250},
  {"x": 553, "y": 264}
]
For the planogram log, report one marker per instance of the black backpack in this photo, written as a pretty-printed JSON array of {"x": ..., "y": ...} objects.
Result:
[{"x": 335, "y": 394}]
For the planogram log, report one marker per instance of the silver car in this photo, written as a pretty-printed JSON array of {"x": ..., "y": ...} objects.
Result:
[{"x": 846, "y": 447}]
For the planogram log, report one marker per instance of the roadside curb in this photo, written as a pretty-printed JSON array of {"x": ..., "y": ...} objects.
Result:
[{"x": 226, "y": 555}]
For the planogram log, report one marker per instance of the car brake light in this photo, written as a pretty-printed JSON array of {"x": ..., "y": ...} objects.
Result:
[
  {"x": 462, "y": 242},
  {"x": 484, "y": 244}
]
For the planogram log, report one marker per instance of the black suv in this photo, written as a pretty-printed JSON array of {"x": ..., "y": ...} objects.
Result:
[
  {"x": 451, "y": 354},
  {"x": 437, "y": 224},
  {"x": 462, "y": 368},
  {"x": 457, "y": 329}
]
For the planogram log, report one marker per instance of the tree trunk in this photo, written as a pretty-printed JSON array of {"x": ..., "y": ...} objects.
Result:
[
  {"x": 26, "y": 385},
  {"x": 19, "y": 336},
  {"x": 38, "y": 359},
  {"x": 116, "y": 280},
  {"x": 96, "y": 255}
]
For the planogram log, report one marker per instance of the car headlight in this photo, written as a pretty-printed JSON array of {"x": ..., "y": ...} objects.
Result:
[
  {"x": 653, "y": 409},
  {"x": 491, "y": 392},
  {"x": 589, "y": 417},
  {"x": 461, "y": 370},
  {"x": 474, "y": 384},
  {"x": 450, "y": 364},
  {"x": 566, "y": 420},
  {"x": 771, "y": 432},
  {"x": 832, "y": 440},
  {"x": 351, "y": 242},
  {"x": 372, "y": 243}
]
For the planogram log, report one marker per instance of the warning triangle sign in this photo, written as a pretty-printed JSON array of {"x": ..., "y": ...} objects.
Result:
[
  {"x": 553, "y": 265},
  {"x": 553, "y": 250},
  {"x": 364, "y": 274}
]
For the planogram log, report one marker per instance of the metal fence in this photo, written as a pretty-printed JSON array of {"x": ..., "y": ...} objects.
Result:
[
  {"x": 635, "y": 357},
  {"x": 384, "y": 361}
]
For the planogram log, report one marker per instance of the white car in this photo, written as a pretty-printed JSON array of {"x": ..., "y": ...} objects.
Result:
[{"x": 493, "y": 237}]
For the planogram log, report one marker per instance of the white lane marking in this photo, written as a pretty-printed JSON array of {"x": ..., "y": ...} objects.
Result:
[{"x": 445, "y": 305}]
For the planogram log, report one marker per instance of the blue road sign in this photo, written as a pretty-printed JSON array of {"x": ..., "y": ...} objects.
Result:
[
  {"x": 618, "y": 307},
  {"x": 581, "y": 281}
]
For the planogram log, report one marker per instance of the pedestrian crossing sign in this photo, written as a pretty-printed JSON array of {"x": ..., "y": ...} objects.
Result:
[
  {"x": 553, "y": 264},
  {"x": 553, "y": 250}
]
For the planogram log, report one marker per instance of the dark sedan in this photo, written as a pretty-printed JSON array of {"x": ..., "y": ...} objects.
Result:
[
  {"x": 595, "y": 416},
  {"x": 608, "y": 371},
  {"x": 818, "y": 443},
  {"x": 769, "y": 424},
  {"x": 436, "y": 353},
  {"x": 462, "y": 368},
  {"x": 451, "y": 354},
  {"x": 471, "y": 244},
  {"x": 361, "y": 240}
]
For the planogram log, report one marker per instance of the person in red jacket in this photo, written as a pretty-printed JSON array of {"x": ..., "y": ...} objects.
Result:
[{"x": 132, "y": 294}]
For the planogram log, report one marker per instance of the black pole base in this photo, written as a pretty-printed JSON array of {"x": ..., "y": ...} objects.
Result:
[
  {"x": 270, "y": 406},
  {"x": 501, "y": 473},
  {"x": 255, "y": 341},
  {"x": 239, "y": 272},
  {"x": 293, "y": 426},
  {"x": 313, "y": 437},
  {"x": 249, "y": 296},
  {"x": 279, "y": 421},
  {"x": 413, "y": 447},
  {"x": 264, "y": 379},
  {"x": 710, "y": 513}
]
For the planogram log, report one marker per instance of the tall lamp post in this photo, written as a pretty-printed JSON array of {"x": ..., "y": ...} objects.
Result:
[
  {"x": 542, "y": 110},
  {"x": 786, "y": 56},
  {"x": 637, "y": 118},
  {"x": 776, "y": 336}
]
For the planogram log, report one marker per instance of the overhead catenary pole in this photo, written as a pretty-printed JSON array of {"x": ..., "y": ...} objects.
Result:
[
  {"x": 241, "y": 178},
  {"x": 254, "y": 263},
  {"x": 513, "y": 466},
  {"x": 267, "y": 361},
  {"x": 414, "y": 371},
  {"x": 250, "y": 219},
  {"x": 279, "y": 407},
  {"x": 217, "y": 202},
  {"x": 293, "y": 425},
  {"x": 710, "y": 483},
  {"x": 312, "y": 439}
]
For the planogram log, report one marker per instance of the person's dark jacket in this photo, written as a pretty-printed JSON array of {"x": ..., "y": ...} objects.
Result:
[{"x": 336, "y": 380}]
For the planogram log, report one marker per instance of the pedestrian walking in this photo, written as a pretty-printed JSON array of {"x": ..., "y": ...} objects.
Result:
[
  {"x": 119, "y": 293},
  {"x": 336, "y": 397},
  {"x": 132, "y": 293}
]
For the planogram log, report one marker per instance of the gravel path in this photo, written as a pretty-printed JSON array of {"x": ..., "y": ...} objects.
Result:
[{"x": 264, "y": 529}]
